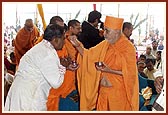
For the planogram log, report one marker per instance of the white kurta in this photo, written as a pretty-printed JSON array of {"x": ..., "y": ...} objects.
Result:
[{"x": 38, "y": 71}]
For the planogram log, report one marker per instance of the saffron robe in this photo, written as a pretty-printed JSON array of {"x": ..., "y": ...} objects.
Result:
[
  {"x": 119, "y": 56},
  {"x": 24, "y": 41}
]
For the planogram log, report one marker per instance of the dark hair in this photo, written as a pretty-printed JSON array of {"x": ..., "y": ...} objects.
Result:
[
  {"x": 142, "y": 56},
  {"x": 56, "y": 18},
  {"x": 72, "y": 23},
  {"x": 140, "y": 62},
  {"x": 159, "y": 52},
  {"x": 126, "y": 25},
  {"x": 154, "y": 41},
  {"x": 132, "y": 40},
  {"x": 93, "y": 16},
  {"x": 150, "y": 60},
  {"x": 53, "y": 30}
]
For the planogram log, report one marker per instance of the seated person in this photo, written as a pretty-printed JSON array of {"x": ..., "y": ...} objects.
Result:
[
  {"x": 12, "y": 67},
  {"x": 142, "y": 58},
  {"x": 158, "y": 64},
  {"x": 149, "y": 70},
  {"x": 148, "y": 53},
  {"x": 147, "y": 91},
  {"x": 141, "y": 66}
]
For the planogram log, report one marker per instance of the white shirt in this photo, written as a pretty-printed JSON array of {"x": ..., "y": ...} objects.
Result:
[
  {"x": 38, "y": 71},
  {"x": 161, "y": 72}
]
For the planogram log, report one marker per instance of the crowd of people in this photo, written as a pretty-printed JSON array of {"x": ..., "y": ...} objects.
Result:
[{"x": 88, "y": 66}]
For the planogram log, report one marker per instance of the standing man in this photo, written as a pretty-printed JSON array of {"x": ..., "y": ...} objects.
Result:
[
  {"x": 127, "y": 29},
  {"x": 25, "y": 39},
  {"x": 38, "y": 71},
  {"x": 54, "y": 20},
  {"x": 114, "y": 85},
  {"x": 91, "y": 35}
]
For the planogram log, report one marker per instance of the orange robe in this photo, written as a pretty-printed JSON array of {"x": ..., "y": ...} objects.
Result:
[
  {"x": 69, "y": 79},
  {"x": 24, "y": 41},
  {"x": 124, "y": 93}
]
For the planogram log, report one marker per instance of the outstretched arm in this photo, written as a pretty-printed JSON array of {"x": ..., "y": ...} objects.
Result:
[{"x": 76, "y": 44}]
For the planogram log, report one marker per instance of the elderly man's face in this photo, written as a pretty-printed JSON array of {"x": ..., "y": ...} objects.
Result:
[
  {"x": 108, "y": 33},
  {"x": 111, "y": 35},
  {"x": 29, "y": 26},
  {"x": 148, "y": 50}
]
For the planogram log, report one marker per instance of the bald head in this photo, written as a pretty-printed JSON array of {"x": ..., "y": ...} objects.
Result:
[
  {"x": 29, "y": 25},
  {"x": 29, "y": 22}
]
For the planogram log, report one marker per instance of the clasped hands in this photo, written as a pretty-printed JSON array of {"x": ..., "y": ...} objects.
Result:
[{"x": 69, "y": 63}]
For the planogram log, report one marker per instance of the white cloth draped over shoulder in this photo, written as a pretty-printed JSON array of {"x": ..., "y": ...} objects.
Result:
[{"x": 38, "y": 71}]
